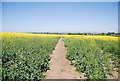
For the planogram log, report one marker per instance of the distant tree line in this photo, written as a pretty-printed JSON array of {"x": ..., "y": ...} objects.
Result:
[{"x": 109, "y": 33}]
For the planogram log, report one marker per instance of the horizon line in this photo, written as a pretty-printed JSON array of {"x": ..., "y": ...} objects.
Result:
[{"x": 59, "y": 32}]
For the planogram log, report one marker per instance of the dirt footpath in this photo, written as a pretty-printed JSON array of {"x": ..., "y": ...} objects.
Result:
[{"x": 60, "y": 68}]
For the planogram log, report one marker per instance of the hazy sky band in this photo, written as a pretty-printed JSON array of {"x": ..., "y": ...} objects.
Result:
[
  {"x": 60, "y": 16},
  {"x": 60, "y": 0}
]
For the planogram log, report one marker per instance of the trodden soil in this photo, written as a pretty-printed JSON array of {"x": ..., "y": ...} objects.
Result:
[{"x": 60, "y": 67}]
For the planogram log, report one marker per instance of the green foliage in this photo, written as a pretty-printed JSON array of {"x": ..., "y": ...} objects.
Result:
[
  {"x": 111, "y": 48},
  {"x": 86, "y": 55},
  {"x": 26, "y": 57}
]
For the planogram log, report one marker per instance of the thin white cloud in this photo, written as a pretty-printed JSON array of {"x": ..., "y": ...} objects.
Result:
[{"x": 60, "y": 0}]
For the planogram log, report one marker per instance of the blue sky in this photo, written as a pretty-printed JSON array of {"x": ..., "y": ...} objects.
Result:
[
  {"x": 0, "y": 17},
  {"x": 60, "y": 0},
  {"x": 60, "y": 16}
]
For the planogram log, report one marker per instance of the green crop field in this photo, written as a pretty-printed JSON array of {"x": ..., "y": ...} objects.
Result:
[
  {"x": 93, "y": 55},
  {"x": 27, "y": 56}
]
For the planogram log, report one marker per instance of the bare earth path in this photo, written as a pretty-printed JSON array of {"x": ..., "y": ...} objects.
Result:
[{"x": 60, "y": 68}]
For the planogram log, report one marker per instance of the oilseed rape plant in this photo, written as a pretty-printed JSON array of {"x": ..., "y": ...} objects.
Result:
[
  {"x": 27, "y": 56},
  {"x": 92, "y": 55}
]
